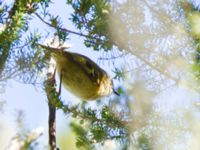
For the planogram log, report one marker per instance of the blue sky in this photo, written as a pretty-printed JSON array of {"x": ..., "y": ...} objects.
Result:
[{"x": 32, "y": 101}]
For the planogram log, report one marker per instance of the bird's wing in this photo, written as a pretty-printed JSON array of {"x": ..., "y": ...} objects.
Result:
[{"x": 93, "y": 71}]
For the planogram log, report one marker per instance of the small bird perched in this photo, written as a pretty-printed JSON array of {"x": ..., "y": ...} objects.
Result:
[{"x": 80, "y": 75}]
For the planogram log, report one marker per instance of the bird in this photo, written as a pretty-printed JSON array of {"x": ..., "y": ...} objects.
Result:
[{"x": 80, "y": 75}]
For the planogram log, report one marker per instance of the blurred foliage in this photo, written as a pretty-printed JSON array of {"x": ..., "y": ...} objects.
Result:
[
  {"x": 21, "y": 59},
  {"x": 82, "y": 139},
  {"x": 143, "y": 143},
  {"x": 24, "y": 139},
  {"x": 67, "y": 139},
  {"x": 193, "y": 17}
]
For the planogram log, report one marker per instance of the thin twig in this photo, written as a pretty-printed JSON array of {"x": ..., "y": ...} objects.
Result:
[
  {"x": 64, "y": 29},
  {"x": 72, "y": 32},
  {"x": 50, "y": 91},
  {"x": 52, "y": 127}
]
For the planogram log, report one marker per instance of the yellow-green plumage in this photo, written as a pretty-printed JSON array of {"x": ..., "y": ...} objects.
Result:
[{"x": 80, "y": 75}]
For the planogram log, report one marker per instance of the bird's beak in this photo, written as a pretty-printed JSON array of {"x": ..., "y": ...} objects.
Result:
[{"x": 114, "y": 91}]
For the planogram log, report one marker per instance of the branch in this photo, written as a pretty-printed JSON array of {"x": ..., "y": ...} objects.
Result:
[
  {"x": 51, "y": 95},
  {"x": 90, "y": 115},
  {"x": 52, "y": 127},
  {"x": 63, "y": 29},
  {"x": 70, "y": 31}
]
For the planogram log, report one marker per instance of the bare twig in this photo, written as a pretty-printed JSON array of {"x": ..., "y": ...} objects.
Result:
[
  {"x": 62, "y": 29},
  {"x": 52, "y": 127},
  {"x": 70, "y": 31},
  {"x": 51, "y": 93}
]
